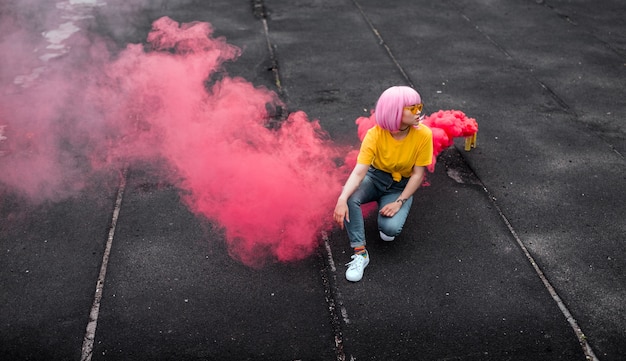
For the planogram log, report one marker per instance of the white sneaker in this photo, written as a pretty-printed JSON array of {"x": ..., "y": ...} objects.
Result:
[
  {"x": 385, "y": 237},
  {"x": 354, "y": 273}
]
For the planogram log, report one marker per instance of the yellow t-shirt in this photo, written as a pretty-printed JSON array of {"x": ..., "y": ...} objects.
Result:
[{"x": 398, "y": 157}]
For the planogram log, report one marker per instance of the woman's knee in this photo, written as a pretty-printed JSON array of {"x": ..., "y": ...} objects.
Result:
[{"x": 391, "y": 229}]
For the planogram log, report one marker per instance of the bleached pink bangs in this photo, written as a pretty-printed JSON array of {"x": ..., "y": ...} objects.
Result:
[{"x": 391, "y": 103}]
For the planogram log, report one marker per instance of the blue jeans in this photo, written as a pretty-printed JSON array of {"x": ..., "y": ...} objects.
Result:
[{"x": 377, "y": 186}]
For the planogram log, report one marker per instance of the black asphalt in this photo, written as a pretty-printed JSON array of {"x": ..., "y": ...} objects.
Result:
[{"x": 516, "y": 250}]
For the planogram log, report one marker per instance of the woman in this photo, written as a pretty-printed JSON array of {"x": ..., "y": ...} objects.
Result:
[{"x": 390, "y": 168}]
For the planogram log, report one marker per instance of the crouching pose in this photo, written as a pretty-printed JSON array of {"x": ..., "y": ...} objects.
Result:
[{"x": 390, "y": 167}]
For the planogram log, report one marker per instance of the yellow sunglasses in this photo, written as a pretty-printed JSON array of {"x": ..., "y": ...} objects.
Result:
[{"x": 415, "y": 108}]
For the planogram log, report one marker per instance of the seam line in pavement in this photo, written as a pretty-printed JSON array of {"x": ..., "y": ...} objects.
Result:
[
  {"x": 261, "y": 13},
  {"x": 90, "y": 333},
  {"x": 582, "y": 339},
  {"x": 330, "y": 294},
  {"x": 333, "y": 269},
  {"x": 332, "y": 298},
  {"x": 383, "y": 43},
  {"x": 486, "y": 36}
]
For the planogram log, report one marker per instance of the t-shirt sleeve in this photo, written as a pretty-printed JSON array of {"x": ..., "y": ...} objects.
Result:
[
  {"x": 368, "y": 148},
  {"x": 425, "y": 153}
]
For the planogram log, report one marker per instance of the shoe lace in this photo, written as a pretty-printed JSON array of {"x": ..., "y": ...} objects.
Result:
[{"x": 357, "y": 260}]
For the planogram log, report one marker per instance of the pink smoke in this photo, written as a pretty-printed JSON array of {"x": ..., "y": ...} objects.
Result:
[{"x": 271, "y": 189}]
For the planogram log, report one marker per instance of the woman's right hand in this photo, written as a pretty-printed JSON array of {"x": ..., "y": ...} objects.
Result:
[
  {"x": 355, "y": 178},
  {"x": 341, "y": 212}
]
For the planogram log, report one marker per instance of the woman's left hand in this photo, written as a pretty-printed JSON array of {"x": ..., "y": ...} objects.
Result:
[{"x": 390, "y": 209}]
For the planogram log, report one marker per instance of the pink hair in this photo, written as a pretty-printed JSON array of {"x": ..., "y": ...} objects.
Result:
[{"x": 391, "y": 103}]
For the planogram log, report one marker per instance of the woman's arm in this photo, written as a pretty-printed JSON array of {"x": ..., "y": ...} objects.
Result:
[
  {"x": 355, "y": 178},
  {"x": 415, "y": 181}
]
